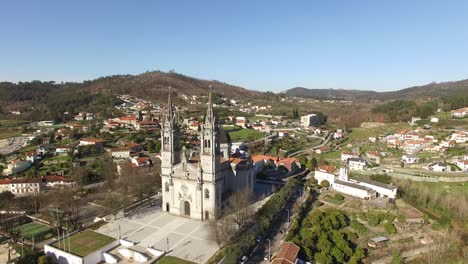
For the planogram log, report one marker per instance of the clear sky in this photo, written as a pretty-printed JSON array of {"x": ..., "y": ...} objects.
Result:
[{"x": 262, "y": 45}]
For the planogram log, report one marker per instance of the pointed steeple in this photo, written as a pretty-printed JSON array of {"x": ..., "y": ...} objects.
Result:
[
  {"x": 169, "y": 113},
  {"x": 209, "y": 112}
]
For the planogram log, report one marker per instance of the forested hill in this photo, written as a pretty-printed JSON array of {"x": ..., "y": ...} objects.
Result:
[
  {"x": 49, "y": 99},
  {"x": 431, "y": 90}
]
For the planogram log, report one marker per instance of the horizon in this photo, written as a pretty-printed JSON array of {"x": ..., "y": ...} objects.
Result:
[{"x": 275, "y": 47}]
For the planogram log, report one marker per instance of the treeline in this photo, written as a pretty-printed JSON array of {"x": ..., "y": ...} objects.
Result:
[
  {"x": 401, "y": 110},
  {"x": 455, "y": 102}
]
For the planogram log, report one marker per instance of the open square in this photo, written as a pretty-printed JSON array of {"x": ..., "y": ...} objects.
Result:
[{"x": 183, "y": 238}]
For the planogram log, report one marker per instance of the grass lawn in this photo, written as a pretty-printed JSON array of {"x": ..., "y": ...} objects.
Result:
[
  {"x": 243, "y": 134},
  {"x": 173, "y": 260},
  {"x": 9, "y": 133},
  {"x": 258, "y": 118},
  {"x": 86, "y": 242},
  {"x": 30, "y": 230}
]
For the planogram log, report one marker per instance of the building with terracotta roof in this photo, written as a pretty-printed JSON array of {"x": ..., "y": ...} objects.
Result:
[{"x": 287, "y": 254}]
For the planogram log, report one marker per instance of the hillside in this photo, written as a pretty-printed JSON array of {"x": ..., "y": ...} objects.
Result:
[{"x": 417, "y": 92}]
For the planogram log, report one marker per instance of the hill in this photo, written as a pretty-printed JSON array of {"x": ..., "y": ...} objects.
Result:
[{"x": 431, "y": 90}]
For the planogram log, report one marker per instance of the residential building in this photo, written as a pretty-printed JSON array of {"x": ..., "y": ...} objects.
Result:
[
  {"x": 346, "y": 155},
  {"x": 310, "y": 120},
  {"x": 357, "y": 163},
  {"x": 463, "y": 165},
  {"x": 437, "y": 167},
  {"x": 98, "y": 143},
  {"x": 287, "y": 254},
  {"x": 16, "y": 166},
  {"x": 460, "y": 113},
  {"x": 410, "y": 159}
]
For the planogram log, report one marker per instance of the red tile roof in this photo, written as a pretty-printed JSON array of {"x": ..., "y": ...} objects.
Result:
[
  {"x": 287, "y": 253},
  {"x": 327, "y": 168}
]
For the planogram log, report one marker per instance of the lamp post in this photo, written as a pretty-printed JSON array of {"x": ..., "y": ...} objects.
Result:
[{"x": 269, "y": 249}]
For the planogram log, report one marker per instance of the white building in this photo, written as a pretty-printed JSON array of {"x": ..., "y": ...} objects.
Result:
[
  {"x": 437, "y": 167},
  {"x": 346, "y": 155},
  {"x": 463, "y": 165},
  {"x": 410, "y": 159},
  {"x": 357, "y": 164},
  {"x": 462, "y": 112},
  {"x": 325, "y": 172},
  {"x": 121, "y": 153},
  {"x": 196, "y": 187},
  {"x": 309, "y": 120}
]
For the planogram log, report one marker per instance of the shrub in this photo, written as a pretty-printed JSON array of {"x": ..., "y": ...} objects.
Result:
[
  {"x": 360, "y": 228},
  {"x": 390, "y": 228},
  {"x": 325, "y": 183},
  {"x": 339, "y": 197}
]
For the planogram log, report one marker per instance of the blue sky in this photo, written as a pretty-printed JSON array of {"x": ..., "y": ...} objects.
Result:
[{"x": 261, "y": 45}]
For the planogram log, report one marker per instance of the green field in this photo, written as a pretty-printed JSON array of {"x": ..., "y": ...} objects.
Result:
[
  {"x": 258, "y": 118},
  {"x": 243, "y": 134},
  {"x": 86, "y": 242},
  {"x": 173, "y": 260},
  {"x": 38, "y": 231},
  {"x": 360, "y": 134},
  {"x": 9, "y": 133}
]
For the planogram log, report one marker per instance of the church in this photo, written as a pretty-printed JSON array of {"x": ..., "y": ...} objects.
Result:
[{"x": 196, "y": 183}]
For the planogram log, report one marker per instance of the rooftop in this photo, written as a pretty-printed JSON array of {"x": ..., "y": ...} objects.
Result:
[
  {"x": 351, "y": 184},
  {"x": 85, "y": 242}
]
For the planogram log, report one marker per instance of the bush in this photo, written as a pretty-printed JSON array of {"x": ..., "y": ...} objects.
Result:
[
  {"x": 360, "y": 228},
  {"x": 325, "y": 183},
  {"x": 339, "y": 197},
  {"x": 390, "y": 228}
]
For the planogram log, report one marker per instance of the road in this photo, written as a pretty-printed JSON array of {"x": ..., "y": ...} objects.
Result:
[
  {"x": 10, "y": 145},
  {"x": 274, "y": 238},
  {"x": 327, "y": 137}
]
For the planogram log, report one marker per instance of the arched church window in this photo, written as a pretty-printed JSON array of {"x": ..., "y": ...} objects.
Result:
[
  {"x": 209, "y": 143},
  {"x": 167, "y": 187},
  {"x": 207, "y": 194}
]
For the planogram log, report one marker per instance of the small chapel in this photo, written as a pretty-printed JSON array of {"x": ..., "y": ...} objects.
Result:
[{"x": 197, "y": 183}]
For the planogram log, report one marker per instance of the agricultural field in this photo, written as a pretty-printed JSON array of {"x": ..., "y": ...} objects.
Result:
[
  {"x": 86, "y": 242},
  {"x": 243, "y": 134},
  {"x": 38, "y": 231}
]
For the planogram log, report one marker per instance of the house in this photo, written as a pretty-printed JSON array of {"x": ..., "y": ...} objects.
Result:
[
  {"x": 373, "y": 155},
  {"x": 460, "y": 113},
  {"x": 346, "y": 155},
  {"x": 25, "y": 186},
  {"x": 372, "y": 139},
  {"x": 325, "y": 172},
  {"x": 195, "y": 125},
  {"x": 433, "y": 148},
  {"x": 353, "y": 189},
  {"x": 323, "y": 150},
  {"x": 409, "y": 159},
  {"x": 287, "y": 254},
  {"x": 121, "y": 153},
  {"x": 46, "y": 149},
  {"x": 292, "y": 165},
  {"x": 129, "y": 120},
  {"x": 262, "y": 161},
  {"x": 447, "y": 144},
  {"x": 310, "y": 120},
  {"x": 147, "y": 125},
  {"x": 357, "y": 163},
  {"x": 463, "y": 165},
  {"x": 434, "y": 119},
  {"x": 337, "y": 135},
  {"x": 58, "y": 181},
  {"x": 141, "y": 161},
  {"x": 459, "y": 137},
  {"x": 240, "y": 121},
  {"x": 62, "y": 150},
  {"x": 381, "y": 189},
  {"x": 283, "y": 134},
  {"x": 99, "y": 143},
  {"x": 134, "y": 147},
  {"x": 16, "y": 166},
  {"x": 31, "y": 156},
  {"x": 437, "y": 167}
]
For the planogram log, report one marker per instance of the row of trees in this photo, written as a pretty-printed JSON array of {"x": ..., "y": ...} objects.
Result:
[
  {"x": 323, "y": 237},
  {"x": 401, "y": 110}
]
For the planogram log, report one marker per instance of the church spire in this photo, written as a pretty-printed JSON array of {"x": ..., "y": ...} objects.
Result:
[
  {"x": 169, "y": 113},
  {"x": 209, "y": 112}
]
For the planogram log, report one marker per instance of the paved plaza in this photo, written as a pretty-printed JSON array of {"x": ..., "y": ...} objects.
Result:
[{"x": 184, "y": 238}]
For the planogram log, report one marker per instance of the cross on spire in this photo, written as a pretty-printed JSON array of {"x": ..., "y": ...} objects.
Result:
[{"x": 209, "y": 112}]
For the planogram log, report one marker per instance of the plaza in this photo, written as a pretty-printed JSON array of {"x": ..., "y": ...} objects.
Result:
[{"x": 150, "y": 227}]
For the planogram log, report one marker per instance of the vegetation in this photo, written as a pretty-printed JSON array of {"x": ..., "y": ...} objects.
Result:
[
  {"x": 243, "y": 134},
  {"x": 401, "y": 110},
  {"x": 323, "y": 238},
  {"x": 173, "y": 260},
  {"x": 35, "y": 230}
]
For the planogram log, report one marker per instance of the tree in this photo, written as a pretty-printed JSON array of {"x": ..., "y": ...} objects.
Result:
[
  {"x": 107, "y": 169},
  {"x": 221, "y": 231},
  {"x": 79, "y": 175},
  {"x": 239, "y": 204},
  {"x": 114, "y": 201},
  {"x": 45, "y": 260},
  {"x": 325, "y": 183}
]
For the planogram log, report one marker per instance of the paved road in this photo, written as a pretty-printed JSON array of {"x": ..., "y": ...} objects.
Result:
[
  {"x": 327, "y": 137},
  {"x": 10, "y": 145}
]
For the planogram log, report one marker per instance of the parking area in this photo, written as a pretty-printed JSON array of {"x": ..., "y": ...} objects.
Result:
[{"x": 150, "y": 227}]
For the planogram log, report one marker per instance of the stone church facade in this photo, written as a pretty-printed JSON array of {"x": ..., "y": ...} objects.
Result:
[{"x": 197, "y": 185}]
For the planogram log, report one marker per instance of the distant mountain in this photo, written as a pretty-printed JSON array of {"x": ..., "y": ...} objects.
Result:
[{"x": 417, "y": 92}]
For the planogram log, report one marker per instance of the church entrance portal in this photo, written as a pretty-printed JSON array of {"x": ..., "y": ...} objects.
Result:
[
  {"x": 186, "y": 208},
  {"x": 167, "y": 207}
]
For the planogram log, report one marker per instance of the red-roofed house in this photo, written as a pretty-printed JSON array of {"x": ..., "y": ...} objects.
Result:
[
  {"x": 99, "y": 143},
  {"x": 287, "y": 254},
  {"x": 141, "y": 161}
]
